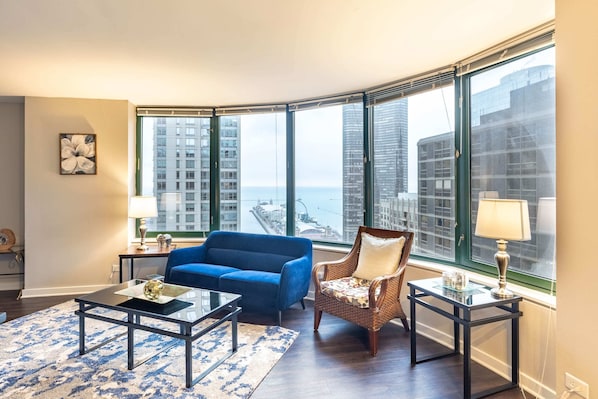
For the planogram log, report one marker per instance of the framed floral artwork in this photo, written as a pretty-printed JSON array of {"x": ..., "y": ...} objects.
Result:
[{"x": 78, "y": 154}]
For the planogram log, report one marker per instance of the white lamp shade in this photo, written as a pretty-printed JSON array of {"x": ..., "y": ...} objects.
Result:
[
  {"x": 503, "y": 219},
  {"x": 143, "y": 207}
]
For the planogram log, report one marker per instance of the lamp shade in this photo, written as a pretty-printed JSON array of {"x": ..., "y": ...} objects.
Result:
[
  {"x": 143, "y": 207},
  {"x": 503, "y": 219}
]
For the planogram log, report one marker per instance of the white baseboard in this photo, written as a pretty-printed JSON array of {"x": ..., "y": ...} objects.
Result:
[{"x": 57, "y": 291}]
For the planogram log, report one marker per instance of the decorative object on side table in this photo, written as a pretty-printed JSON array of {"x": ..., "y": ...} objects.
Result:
[
  {"x": 7, "y": 239},
  {"x": 142, "y": 207},
  {"x": 503, "y": 219},
  {"x": 78, "y": 154},
  {"x": 164, "y": 240}
]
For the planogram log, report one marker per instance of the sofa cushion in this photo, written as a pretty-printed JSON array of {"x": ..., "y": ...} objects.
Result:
[
  {"x": 199, "y": 275},
  {"x": 378, "y": 256},
  {"x": 350, "y": 290},
  {"x": 250, "y": 282},
  {"x": 247, "y": 260}
]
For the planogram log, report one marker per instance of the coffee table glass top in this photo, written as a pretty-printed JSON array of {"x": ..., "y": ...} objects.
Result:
[{"x": 191, "y": 306}]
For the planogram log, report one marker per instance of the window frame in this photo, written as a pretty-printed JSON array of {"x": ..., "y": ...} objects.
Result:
[
  {"x": 464, "y": 255},
  {"x": 535, "y": 40}
]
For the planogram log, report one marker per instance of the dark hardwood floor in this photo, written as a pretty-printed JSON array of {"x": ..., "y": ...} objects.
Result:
[{"x": 335, "y": 362}]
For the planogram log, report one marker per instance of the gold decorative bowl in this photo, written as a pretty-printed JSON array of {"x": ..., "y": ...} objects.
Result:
[{"x": 153, "y": 289}]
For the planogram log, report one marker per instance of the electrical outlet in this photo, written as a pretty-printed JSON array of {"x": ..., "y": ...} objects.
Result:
[
  {"x": 115, "y": 268},
  {"x": 577, "y": 386}
]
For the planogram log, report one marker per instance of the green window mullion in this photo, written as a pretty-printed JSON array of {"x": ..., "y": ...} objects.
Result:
[
  {"x": 215, "y": 173},
  {"x": 368, "y": 167},
  {"x": 290, "y": 131}
]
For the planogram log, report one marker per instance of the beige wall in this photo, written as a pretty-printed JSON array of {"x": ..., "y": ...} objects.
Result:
[
  {"x": 577, "y": 191},
  {"x": 74, "y": 225}
]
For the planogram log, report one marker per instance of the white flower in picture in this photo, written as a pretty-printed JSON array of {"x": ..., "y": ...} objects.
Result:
[{"x": 77, "y": 154}]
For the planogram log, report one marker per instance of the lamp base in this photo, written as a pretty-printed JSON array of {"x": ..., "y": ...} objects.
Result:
[
  {"x": 501, "y": 292},
  {"x": 142, "y": 247}
]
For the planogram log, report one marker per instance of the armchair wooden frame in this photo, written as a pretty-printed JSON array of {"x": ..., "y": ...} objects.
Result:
[{"x": 383, "y": 308}]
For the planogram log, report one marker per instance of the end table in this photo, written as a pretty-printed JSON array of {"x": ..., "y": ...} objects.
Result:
[
  {"x": 133, "y": 253},
  {"x": 464, "y": 303}
]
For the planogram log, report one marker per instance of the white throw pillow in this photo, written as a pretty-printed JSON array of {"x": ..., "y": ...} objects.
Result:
[{"x": 378, "y": 256}]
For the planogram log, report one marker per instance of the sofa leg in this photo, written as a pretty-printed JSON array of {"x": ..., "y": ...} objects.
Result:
[
  {"x": 302, "y": 304},
  {"x": 279, "y": 318}
]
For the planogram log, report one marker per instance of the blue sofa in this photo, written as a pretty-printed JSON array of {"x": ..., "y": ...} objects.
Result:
[{"x": 270, "y": 272}]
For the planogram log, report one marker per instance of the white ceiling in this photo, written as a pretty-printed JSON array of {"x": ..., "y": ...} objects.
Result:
[{"x": 234, "y": 52}]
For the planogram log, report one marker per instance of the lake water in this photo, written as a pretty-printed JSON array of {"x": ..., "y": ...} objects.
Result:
[{"x": 325, "y": 204}]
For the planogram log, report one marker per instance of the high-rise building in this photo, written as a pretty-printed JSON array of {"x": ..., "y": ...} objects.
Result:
[
  {"x": 390, "y": 155},
  {"x": 181, "y": 180},
  {"x": 353, "y": 183},
  {"x": 436, "y": 196},
  {"x": 513, "y": 151},
  {"x": 230, "y": 162},
  {"x": 390, "y": 137}
]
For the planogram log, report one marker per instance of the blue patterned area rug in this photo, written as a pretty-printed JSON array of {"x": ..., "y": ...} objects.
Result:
[{"x": 39, "y": 358}]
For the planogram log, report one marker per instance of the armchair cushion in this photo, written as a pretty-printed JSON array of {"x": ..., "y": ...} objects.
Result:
[
  {"x": 350, "y": 290},
  {"x": 378, "y": 256}
]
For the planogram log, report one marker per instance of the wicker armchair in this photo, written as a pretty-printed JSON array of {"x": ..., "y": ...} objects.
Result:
[{"x": 381, "y": 295}]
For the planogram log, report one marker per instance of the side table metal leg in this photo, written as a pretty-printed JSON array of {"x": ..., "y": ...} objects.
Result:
[
  {"x": 467, "y": 355},
  {"x": 515, "y": 345},
  {"x": 413, "y": 324},
  {"x": 120, "y": 268},
  {"x": 456, "y": 332}
]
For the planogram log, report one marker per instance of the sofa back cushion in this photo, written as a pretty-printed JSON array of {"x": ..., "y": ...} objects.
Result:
[
  {"x": 254, "y": 251},
  {"x": 247, "y": 260}
]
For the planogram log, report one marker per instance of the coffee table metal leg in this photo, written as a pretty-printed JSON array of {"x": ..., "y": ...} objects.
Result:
[
  {"x": 130, "y": 343},
  {"x": 81, "y": 330},
  {"x": 188, "y": 356},
  {"x": 234, "y": 332}
]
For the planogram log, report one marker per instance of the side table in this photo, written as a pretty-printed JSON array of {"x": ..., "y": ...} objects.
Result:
[
  {"x": 133, "y": 253},
  {"x": 19, "y": 257},
  {"x": 464, "y": 303}
]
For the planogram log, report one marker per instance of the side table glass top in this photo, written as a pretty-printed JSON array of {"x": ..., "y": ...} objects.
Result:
[{"x": 474, "y": 294}]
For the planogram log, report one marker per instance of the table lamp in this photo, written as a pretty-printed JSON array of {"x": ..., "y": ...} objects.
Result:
[
  {"x": 142, "y": 207},
  {"x": 503, "y": 220}
]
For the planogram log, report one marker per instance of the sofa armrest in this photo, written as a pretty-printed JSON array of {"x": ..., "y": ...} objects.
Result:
[
  {"x": 182, "y": 256},
  {"x": 294, "y": 281}
]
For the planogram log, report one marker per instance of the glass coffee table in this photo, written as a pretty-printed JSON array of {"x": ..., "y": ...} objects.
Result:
[{"x": 195, "y": 311}]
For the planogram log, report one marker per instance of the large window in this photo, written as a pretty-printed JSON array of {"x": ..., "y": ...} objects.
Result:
[
  {"x": 253, "y": 173},
  {"x": 329, "y": 172},
  {"x": 181, "y": 188},
  {"x": 512, "y": 119},
  {"x": 416, "y": 154},
  {"x": 414, "y": 169}
]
